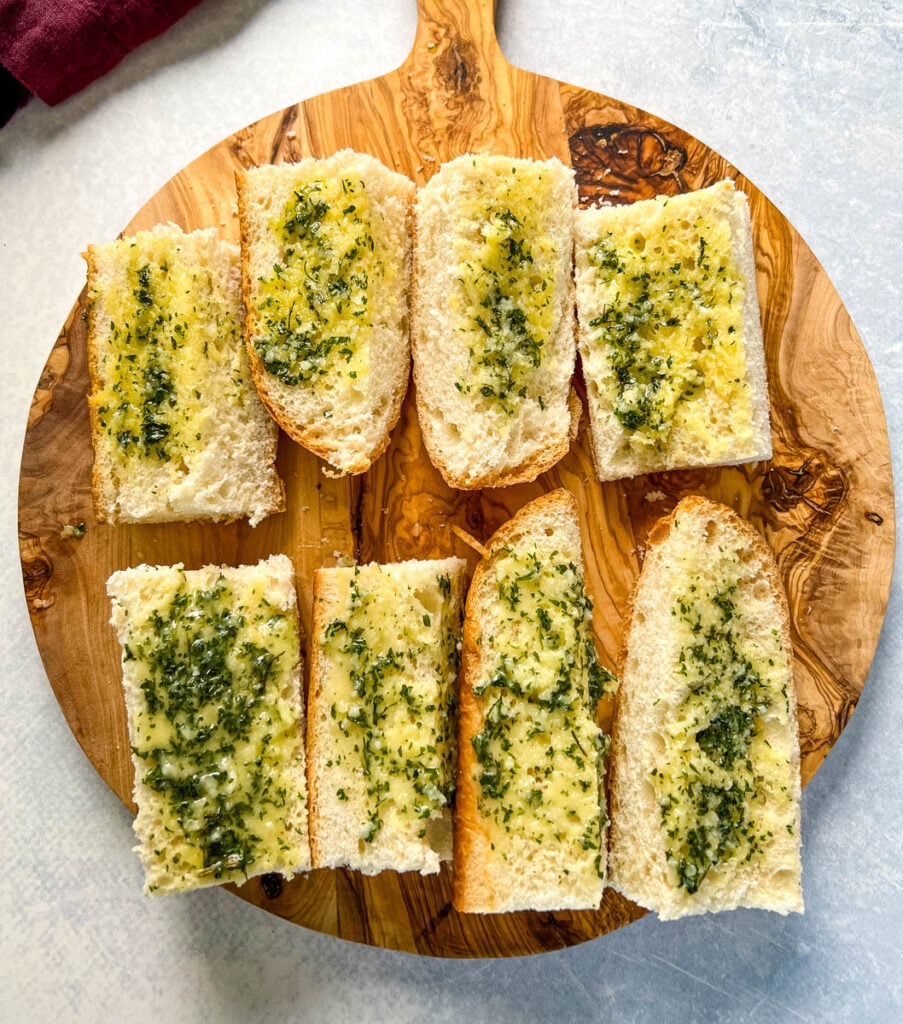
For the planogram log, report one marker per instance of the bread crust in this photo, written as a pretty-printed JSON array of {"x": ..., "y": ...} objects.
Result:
[
  {"x": 314, "y": 697},
  {"x": 678, "y": 903},
  {"x": 102, "y": 501},
  {"x": 472, "y": 889}
]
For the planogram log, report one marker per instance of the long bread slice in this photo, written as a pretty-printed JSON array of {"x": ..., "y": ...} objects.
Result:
[
  {"x": 381, "y": 714},
  {"x": 211, "y": 669},
  {"x": 705, "y": 774},
  {"x": 530, "y": 818},
  {"x": 670, "y": 335},
  {"x": 325, "y": 277},
  {"x": 178, "y": 430},
  {"x": 492, "y": 318}
]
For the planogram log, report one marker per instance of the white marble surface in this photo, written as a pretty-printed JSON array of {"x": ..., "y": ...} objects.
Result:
[{"x": 806, "y": 97}]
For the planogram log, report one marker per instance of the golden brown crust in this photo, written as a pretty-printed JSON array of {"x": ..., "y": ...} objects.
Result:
[
  {"x": 314, "y": 695},
  {"x": 473, "y": 889},
  {"x": 100, "y": 510}
]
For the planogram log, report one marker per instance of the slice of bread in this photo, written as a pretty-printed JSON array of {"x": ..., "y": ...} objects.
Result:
[
  {"x": 178, "y": 430},
  {"x": 530, "y": 811},
  {"x": 670, "y": 334},
  {"x": 492, "y": 318},
  {"x": 381, "y": 722},
  {"x": 325, "y": 276},
  {"x": 211, "y": 669},
  {"x": 705, "y": 770}
]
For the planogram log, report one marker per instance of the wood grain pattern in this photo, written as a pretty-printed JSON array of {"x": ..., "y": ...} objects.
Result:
[{"x": 825, "y": 501}]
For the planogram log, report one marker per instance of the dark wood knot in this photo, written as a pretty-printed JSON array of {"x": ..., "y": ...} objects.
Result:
[
  {"x": 457, "y": 67},
  {"x": 53, "y": 373},
  {"x": 37, "y": 570},
  {"x": 475, "y": 516},
  {"x": 557, "y": 930},
  {"x": 621, "y": 163},
  {"x": 873, "y": 517},
  {"x": 434, "y": 922},
  {"x": 815, "y": 482},
  {"x": 272, "y": 886}
]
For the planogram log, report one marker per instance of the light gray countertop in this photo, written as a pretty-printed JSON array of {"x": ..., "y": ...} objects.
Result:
[{"x": 806, "y": 98}]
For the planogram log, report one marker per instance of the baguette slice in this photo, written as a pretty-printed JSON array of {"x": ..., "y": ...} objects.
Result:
[
  {"x": 211, "y": 669},
  {"x": 381, "y": 722},
  {"x": 669, "y": 332},
  {"x": 530, "y": 812},
  {"x": 705, "y": 770},
  {"x": 325, "y": 276},
  {"x": 492, "y": 319},
  {"x": 178, "y": 430}
]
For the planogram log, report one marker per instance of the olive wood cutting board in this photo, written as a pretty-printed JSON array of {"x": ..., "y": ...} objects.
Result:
[{"x": 824, "y": 502}]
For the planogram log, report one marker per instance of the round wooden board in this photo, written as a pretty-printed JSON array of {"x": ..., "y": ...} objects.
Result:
[{"x": 824, "y": 502}]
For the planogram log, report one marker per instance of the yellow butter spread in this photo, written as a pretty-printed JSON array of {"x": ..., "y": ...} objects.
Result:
[
  {"x": 215, "y": 728},
  {"x": 667, "y": 350},
  {"x": 175, "y": 347},
  {"x": 722, "y": 776},
  {"x": 539, "y": 751},
  {"x": 391, "y": 655},
  {"x": 508, "y": 268},
  {"x": 316, "y": 303}
]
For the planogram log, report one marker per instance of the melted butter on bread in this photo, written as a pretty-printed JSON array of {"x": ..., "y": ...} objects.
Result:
[
  {"x": 383, "y": 714},
  {"x": 315, "y": 304},
  {"x": 530, "y": 819},
  {"x": 721, "y": 780},
  {"x": 167, "y": 322},
  {"x": 705, "y": 767},
  {"x": 211, "y": 667},
  {"x": 538, "y": 754},
  {"x": 178, "y": 430},
  {"x": 670, "y": 335},
  {"x": 507, "y": 262}
]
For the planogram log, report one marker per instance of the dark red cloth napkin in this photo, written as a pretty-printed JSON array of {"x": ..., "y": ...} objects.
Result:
[{"x": 54, "y": 48}]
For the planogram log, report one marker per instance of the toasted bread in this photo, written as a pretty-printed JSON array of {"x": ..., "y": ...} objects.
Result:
[
  {"x": 492, "y": 318},
  {"x": 177, "y": 428},
  {"x": 211, "y": 670},
  {"x": 704, "y": 767},
  {"x": 670, "y": 335},
  {"x": 381, "y": 721},
  {"x": 325, "y": 276},
  {"x": 529, "y": 818}
]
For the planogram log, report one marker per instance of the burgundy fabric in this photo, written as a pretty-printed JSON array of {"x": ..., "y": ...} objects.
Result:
[{"x": 57, "y": 47}]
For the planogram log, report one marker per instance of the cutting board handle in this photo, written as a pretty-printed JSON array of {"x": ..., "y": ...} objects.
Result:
[{"x": 458, "y": 26}]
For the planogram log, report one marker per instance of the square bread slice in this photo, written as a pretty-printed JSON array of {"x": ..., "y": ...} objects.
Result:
[
  {"x": 326, "y": 274},
  {"x": 381, "y": 714},
  {"x": 530, "y": 823},
  {"x": 178, "y": 430},
  {"x": 492, "y": 318},
  {"x": 705, "y": 762},
  {"x": 211, "y": 669},
  {"x": 670, "y": 335}
]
